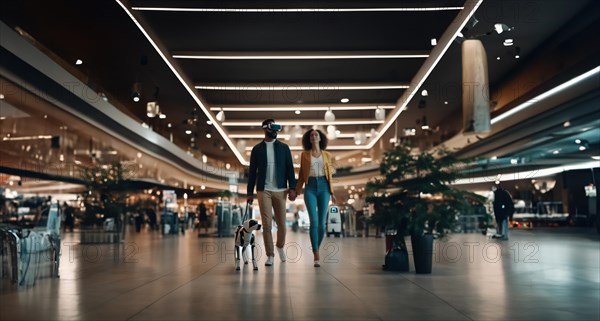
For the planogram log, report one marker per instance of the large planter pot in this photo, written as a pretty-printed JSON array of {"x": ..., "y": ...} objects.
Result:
[{"x": 422, "y": 246}]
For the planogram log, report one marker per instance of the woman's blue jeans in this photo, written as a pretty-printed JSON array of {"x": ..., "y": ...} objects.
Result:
[{"x": 316, "y": 198}]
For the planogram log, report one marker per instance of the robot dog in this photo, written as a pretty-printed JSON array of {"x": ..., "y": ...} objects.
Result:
[{"x": 243, "y": 238}]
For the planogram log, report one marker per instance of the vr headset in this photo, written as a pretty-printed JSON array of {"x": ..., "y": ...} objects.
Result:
[{"x": 272, "y": 127}]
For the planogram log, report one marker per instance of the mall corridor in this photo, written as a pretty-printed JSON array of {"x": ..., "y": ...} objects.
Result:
[{"x": 542, "y": 274}]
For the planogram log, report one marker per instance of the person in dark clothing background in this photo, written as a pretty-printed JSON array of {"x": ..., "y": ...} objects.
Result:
[
  {"x": 152, "y": 219},
  {"x": 69, "y": 217},
  {"x": 202, "y": 218},
  {"x": 503, "y": 209}
]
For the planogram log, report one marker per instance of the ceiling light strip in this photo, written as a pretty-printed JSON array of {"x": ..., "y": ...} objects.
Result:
[
  {"x": 296, "y": 10},
  {"x": 302, "y": 123},
  {"x": 546, "y": 94},
  {"x": 27, "y": 138},
  {"x": 525, "y": 174},
  {"x": 192, "y": 93},
  {"x": 329, "y": 147},
  {"x": 430, "y": 63},
  {"x": 285, "y": 87},
  {"x": 287, "y": 136},
  {"x": 336, "y": 147},
  {"x": 254, "y": 108},
  {"x": 297, "y": 56}
]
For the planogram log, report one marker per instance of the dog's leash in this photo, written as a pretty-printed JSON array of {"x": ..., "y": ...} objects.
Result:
[{"x": 244, "y": 217}]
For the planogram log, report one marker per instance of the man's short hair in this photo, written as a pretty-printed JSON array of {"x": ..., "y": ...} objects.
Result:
[{"x": 266, "y": 121}]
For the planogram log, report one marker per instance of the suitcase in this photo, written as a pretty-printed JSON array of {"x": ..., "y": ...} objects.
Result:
[{"x": 334, "y": 221}]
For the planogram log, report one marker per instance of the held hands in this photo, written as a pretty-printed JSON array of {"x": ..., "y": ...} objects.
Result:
[
  {"x": 292, "y": 195},
  {"x": 333, "y": 199},
  {"x": 250, "y": 199}
]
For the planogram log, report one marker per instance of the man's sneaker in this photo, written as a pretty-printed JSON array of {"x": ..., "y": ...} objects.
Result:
[
  {"x": 281, "y": 253},
  {"x": 269, "y": 261}
]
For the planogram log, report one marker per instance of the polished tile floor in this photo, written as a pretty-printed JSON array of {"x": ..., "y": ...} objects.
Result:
[{"x": 544, "y": 274}]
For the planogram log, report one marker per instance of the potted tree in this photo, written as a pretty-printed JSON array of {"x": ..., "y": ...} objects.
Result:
[
  {"x": 105, "y": 202},
  {"x": 413, "y": 197}
]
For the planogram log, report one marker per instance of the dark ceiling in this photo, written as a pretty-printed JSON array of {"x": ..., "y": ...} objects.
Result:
[{"x": 552, "y": 37}]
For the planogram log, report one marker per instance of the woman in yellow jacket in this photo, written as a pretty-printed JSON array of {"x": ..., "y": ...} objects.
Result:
[{"x": 316, "y": 172}]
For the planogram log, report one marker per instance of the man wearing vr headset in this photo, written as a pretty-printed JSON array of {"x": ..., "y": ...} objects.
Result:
[{"x": 272, "y": 172}]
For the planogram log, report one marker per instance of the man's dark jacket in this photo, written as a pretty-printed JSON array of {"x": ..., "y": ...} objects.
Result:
[
  {"x": 503, "y": 205},
  {"x": 284, "y": 167}
]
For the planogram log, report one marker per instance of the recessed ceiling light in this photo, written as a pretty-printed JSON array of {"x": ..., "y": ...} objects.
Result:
[
  {"x": 445, "y": 102},
  {"x": 78, "y": 62},
  {"x": 407, "y": 132},
  {"x": 344, "y": 100},
  {"x": 162, "y": 116},
  {"x": 514, "y": 161},
  {"x": 498, "y": 58},
  {"x": 424, "y": 93},
  {"x": 582, "y": 147},
  {"x": 578, "y": 141},
  {"x": 1, "y": 96},
  {"x": 188, "y": 131},
  {"x": 169, "y": 125},
  {"x": 136, "y": 92},
  {"x": 517, "y": 56},
  {"x": 556, "y": 151},
  {"x": 209, "y": 123},
  {"x": 139, "y": 155},
  {"x": 297, "y": 112},
  {"x": 567, "y": 124},
  {"x": 500, "y": 28},
  {"x": 208, "y": 135},
  {"x": 433, "y": 41},
  {"x": 508, "y": 42}
]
